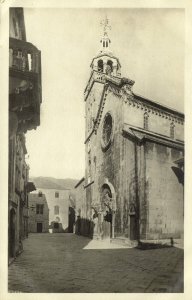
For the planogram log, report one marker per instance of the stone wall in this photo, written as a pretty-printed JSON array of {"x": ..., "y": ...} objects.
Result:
[{"x": 164, "y": 192}]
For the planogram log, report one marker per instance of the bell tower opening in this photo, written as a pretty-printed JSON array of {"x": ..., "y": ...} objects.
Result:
[
  {"x": 100, "y": 65},
  {"x": 109, "y": 68}
]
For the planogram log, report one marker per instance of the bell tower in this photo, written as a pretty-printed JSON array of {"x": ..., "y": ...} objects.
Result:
[{"x": 105, "y": 62}]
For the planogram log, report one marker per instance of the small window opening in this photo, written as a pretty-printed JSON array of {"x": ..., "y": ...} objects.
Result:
[
  {"x": 146, "y": 117},
  {"x": 56, "y": 210},
  {"x": 39, "y": 209},
  {"x": 172, "y": 130}
]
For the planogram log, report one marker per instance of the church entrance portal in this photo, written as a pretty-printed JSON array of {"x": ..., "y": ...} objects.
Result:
[{"x": 108, "y": 208}]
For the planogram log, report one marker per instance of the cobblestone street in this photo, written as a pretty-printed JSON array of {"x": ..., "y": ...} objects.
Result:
[{"x": 66, "y": 263}]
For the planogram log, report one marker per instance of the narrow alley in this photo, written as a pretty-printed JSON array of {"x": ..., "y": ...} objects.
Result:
[{"x": 67, "y": 263}]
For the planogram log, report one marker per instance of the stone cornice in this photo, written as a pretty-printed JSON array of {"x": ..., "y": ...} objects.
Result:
[
  {"x": 145, "y": 104},
  {"x": 157, "y": 106},
  {"x": 152, "y": 108},
  {"x": 142, "y": 135}
]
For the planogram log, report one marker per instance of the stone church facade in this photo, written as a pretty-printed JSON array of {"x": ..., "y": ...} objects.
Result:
[{"x": 134, "y": 149}]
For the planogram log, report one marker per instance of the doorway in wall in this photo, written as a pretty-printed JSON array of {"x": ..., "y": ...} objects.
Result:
[
  {"x": 106, "y": 202},
  {"x": 39, "y": 227}
]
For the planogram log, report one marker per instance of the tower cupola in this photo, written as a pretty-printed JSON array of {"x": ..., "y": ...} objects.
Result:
[{"x": 105, "y": 61}]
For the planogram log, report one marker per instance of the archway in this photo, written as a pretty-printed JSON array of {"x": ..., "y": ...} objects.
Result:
[
  {"x": 12, "y": 231},
  {"x": 108, "y": 208},
  {"x": 109, "y": 69}
]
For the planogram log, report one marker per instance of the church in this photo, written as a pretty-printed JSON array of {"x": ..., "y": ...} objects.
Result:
[{"x": 134, "y": 150}]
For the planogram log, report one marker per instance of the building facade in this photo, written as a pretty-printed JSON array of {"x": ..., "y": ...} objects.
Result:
[
  {"x": 58, "y": 203},
  {"x": 133, "y": 182},
  {"x": 24, "y": 115},
  {"x": 38, "y": 213}
]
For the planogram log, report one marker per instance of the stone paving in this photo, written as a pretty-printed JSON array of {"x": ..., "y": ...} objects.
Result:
[{"x": 67, "y": 263}]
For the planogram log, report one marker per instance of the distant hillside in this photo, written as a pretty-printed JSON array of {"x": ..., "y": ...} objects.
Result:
[{"x": 53, "y": 183}]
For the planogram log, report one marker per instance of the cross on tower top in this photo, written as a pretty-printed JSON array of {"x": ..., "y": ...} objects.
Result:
[
  {"x": 105, "y": 24},
  {"x": 105, "y": 41}
]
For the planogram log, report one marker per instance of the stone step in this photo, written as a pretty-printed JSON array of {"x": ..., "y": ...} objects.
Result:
[{"x": 124, "y": 241}]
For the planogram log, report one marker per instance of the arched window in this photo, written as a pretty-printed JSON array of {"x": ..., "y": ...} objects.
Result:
[
  {"x": 172, "y": 130},
  {"x": 109, "y": 67},
  {"x": 107, "y": 131},
  {"x": 100, "y": 65},
  {"x": 145, "y": 123}
]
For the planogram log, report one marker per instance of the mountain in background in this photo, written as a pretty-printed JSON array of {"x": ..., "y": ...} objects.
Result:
[{"x": 53, "y": 183}]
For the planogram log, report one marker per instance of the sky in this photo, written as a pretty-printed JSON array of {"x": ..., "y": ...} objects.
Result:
[{"x": 150, "y": 46}]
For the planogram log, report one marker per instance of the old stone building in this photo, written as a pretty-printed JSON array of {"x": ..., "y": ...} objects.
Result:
[
  {"x": 134, "y": 157},
  {"x": 24, "y": 115},
  {"x": 38, "y": 213},
  {"x": 58, "y": 204}
]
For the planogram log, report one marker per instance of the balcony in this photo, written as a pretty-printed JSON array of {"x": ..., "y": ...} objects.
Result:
[{"x": 24, "y": 85}]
